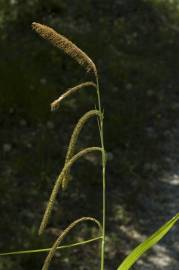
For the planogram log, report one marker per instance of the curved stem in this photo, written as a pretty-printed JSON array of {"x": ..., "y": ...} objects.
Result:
[
  {"x": 103, "y": 174},
  {"x": 56, "y": 103},
  {"x": 74, "y": 139},
  {"x": 62, "y": 236}
]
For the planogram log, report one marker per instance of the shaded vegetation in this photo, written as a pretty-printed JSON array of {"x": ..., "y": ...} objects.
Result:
[{"x": 135, "y": 44}]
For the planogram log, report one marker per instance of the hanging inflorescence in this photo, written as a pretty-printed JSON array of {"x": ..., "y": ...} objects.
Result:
[{"x": 62, "y": 180}]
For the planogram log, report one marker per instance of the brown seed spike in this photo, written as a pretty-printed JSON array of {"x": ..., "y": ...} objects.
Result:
[
  {"x": 56, "y": 103},
  {"x": 66, "y": 45}
]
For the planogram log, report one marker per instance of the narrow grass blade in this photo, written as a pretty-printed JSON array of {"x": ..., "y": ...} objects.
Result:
[
  {"x": 147, "y": 244},
  {"x": 30, "y": 251}
]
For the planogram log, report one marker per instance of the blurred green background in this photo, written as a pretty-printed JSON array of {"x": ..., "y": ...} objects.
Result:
[{"x": 135, "y": 45}]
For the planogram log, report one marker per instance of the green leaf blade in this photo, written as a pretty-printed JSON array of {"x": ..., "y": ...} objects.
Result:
[{"x": 147, "y": 244}]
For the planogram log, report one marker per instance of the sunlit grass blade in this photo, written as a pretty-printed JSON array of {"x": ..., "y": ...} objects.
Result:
[{"x": 147, "y": 244}]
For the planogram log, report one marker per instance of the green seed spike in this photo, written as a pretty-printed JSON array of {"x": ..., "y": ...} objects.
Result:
[
  {"x": 58, "y": 183},
  {"x": 61, "y": 237},
  {"x": 74, "y": 139}
]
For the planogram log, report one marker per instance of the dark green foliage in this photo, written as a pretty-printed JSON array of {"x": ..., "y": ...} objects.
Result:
[{"x": 135, "y": 44}]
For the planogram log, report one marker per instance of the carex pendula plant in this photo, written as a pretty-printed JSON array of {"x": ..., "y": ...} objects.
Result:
[
  {"x": 72, "y": 157},
  {"x": 84, "y": 60}
]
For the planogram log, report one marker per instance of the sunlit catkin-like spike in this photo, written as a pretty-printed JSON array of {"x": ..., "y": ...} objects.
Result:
[
  {"x": 58, "y": 182},
  {"x": 61, "y": 237},
  {"x": 66, "y": 45},
  {"x": 55, "y": 104},
  {"x": 74, "y": 138}
]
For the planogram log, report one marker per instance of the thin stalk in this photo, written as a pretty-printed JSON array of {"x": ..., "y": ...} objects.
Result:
[
  {"x": 101, "y": 131},
  {"x": 48, "y": 249}
]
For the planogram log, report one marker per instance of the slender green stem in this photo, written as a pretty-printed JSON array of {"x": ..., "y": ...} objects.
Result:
[
  {"x": 103, "y": 176},
  {"x": 48, "y": 249}
]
